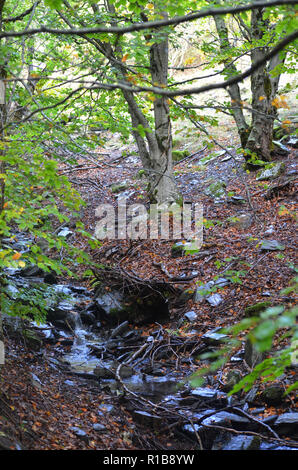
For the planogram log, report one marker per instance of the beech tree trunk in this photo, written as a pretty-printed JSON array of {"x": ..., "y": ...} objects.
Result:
[
  {"x": 264, "y": 87},
  {"x": 233, "y": 90},
  {"x": 255, "y": 136}
]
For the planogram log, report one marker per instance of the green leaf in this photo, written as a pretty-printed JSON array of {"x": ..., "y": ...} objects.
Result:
[{"x": 55, "y": 4}]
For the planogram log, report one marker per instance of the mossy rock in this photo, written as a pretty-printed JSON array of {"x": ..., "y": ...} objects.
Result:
[
  {"x": 256, "y": 309},
  {"x": 33, "y": 341},
  {"x": 216, "y": 190},
  {"x": 178, "y": 155},
  {"x": 272, "y": 171},
  {"x": 118, "y": 187}
]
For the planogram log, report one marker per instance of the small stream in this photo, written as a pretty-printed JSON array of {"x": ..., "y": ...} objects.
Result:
[{"x": 93, "y": 351}]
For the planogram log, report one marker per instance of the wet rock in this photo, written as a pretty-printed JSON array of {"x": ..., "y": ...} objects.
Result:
[
  {"x": 256, "y": 309},
  {"x": 243, "y": 442},
  {"x": 33, "y": 340},
  {"x": 70, "y": 383},
  {"x": 223, "y": 418},
  {"x": 111, "y": 305},
  {"x": 147, "y": 419},
  {"x": 287, "y": 424},
  {"x": 273, "y": 395},
  {"x": 271, "y": 245},
  {"x": 280, "y": 148},
  {"x": 206, "y": 395},
  {"x": 36, "y": 272},
  {"x": 269, "y": 231},
  {"x": 105, "y": 407},
  {"x": 272, "y": 171},
  {"x": 80, "y": 433},
  {"x": 214, "y": 337}
]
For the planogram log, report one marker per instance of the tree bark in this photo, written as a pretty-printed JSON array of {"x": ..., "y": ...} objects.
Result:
[
  {"x": 233, "y": 90},
  {"x": 264, "y": 88}
]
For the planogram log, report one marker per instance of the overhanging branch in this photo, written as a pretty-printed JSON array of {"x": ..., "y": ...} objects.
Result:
[{"x": 150, "y": 24}]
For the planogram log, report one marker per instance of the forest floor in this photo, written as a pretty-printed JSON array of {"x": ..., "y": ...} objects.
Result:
[{"x": 42, "y": 417}]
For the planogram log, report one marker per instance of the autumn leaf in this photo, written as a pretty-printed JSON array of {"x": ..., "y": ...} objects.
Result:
[{"x": 16, "y": 256}]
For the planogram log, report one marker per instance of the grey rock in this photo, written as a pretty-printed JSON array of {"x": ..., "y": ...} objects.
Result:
[
  {"x": 273, "y": 395},
  {"x": 216, "y": 190},
  {"x": 272, "y": 171},
  {"x": 237, "y": 200},
  {"x": 80, "y": 433},
  {"x": 99, "y": 427},
  {"x": 242, "y": 221},
  {"x": 243, "y": 442},
  {"x": 287, "y": 424},
  {"x": 293, "y": 142},
  {"x": 214, "y": 299},
  {"x": 147, "y": 419},
  {"x": 191, "y": 316},
  {"x": 203, "y": 291},
  {"x": 280, "y": 148},
  {"x": 223, "y": 418},
  {"x": 214, "y": 338},
  {"x": 65, "y": 232},
  {"x": 271, "y": 245}
]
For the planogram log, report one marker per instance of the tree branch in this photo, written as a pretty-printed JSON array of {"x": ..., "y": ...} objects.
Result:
[{"x": 151, "y": 24}]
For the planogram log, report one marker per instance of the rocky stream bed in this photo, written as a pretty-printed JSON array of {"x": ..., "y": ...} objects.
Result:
[{"x": 148, "y": 375}]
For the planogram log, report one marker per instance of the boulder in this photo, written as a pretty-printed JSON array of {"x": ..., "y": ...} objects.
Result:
[
  {"x": 273, "y": 395},
  {"x": 272, "y": 171},
  {"x": 287, "y": 424},
  {"x": 256, "y": 309}
]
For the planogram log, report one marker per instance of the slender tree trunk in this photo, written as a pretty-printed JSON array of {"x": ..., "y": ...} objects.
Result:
[
  {"x": 264, "y": 88},
  {"x": 162, "y": 180},
  {"x": 233, "y": 90}
]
